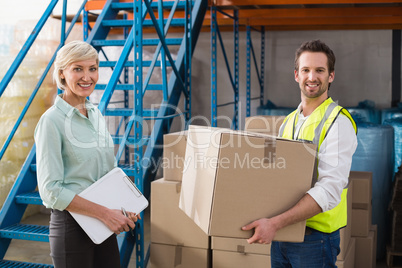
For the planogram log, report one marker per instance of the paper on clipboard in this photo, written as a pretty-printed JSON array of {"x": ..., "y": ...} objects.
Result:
[{"x": 114, "y": 190}]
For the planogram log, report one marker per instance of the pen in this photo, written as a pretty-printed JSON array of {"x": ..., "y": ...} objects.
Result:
[{"x": 125, "y": 214}]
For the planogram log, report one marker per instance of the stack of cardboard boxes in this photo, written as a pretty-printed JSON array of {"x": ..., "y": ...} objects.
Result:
[
  {"x": 346, "y": 257},
  {"x": 227, "y": 175},
  {"x": 176, "y": 241},
  {"x": 233, "y": 178},
  {"x": 363, "y": 231}
]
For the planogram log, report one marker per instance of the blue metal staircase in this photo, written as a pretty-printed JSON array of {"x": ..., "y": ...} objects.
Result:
[{"x": 132, "y": 116}]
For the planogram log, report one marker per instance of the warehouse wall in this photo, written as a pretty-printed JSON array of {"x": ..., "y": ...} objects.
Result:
[{"x": 362, "y": 71}]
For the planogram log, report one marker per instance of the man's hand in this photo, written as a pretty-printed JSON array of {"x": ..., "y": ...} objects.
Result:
[{"x": 264, "y": 231}]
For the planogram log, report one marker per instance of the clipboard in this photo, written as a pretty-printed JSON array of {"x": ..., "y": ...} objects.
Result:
[{"x": 114, "y": 190}]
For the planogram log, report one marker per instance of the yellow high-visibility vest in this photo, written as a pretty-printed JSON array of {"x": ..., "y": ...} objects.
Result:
[{"x": 314, "y": 130}]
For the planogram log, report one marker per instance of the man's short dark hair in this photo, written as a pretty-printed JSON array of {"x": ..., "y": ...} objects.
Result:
[{"x": 316, "y": 46}]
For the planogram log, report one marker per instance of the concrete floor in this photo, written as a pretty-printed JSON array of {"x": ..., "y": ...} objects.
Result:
[{"x": 38, "y": 252}]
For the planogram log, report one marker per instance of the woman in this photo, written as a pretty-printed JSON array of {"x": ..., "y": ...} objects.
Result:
[{"x": 73, "y": 150}]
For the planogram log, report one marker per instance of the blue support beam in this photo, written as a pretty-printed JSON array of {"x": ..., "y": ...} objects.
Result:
[
  {"x": 248, "y": 72},
  {"x": 138, "y": 126},
  {"x": 262, "y": 66},
  {"x": 214, "y": 68},
  {"x": 260, "y": 71},
  {"x": 234, "y": 79},
  {"x": 188, "y": 62},
  {"x": 235, "y": 122}
]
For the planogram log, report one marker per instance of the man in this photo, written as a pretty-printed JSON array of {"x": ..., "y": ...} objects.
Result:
[{"x": 320, "y": 120}]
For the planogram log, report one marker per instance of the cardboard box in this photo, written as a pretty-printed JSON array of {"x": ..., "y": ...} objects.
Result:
[
  {"x": 362, "y": 192},
  {"x": 168, "y": 256},
  {"x": 230, "y": 259},
  {"x": 169, "y": 224},
  {"x": 268, "y": 124},
  {"x": 361, "y": 206},
  {"x": 234, "y": 252},
  {"x": 239, "y": 245},
  {"x": 230, "y": 174},
  {"x": 361, "y": 222},
  {"x": 366, "y": 248},
  {"x": 349, "y": 261},
  {"x": 346, "y": 232},
  {"x": 174, "y": 148}
]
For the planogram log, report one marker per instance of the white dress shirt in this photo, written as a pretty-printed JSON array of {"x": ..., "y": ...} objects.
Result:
[{"x": 334, "y": 161}]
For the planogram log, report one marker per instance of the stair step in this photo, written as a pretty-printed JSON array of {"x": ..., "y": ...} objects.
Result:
[
  {"x": 129, "y": 112},
  {"x": 26, "y": 232},
  {"x": 117, "y": 87},
  {"x": 129, "y": 87},
  {"x": 17, "y": 264},
  {"x": 154, "y": 5},
  {"x": 145, "y": 42},
  {"x": 29, "y": 198},
  {"x": 146, "y": 23},
  {"x": 145, "y": 63},
  {"x": 117, "y": 139}
]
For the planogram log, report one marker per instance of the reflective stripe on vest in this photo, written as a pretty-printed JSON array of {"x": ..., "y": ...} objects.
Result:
[{"x": 314, "y": 130}]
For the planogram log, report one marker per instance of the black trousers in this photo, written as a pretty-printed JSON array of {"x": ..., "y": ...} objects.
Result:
[{"x": 70, "y": 247}]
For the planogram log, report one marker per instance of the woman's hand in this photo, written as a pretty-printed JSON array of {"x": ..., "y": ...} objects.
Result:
[
  {"x": 114, "y": 219},
  {"x": 117, "y": 222}
]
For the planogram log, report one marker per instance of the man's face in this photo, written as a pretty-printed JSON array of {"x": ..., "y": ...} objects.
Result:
[{"x": 313, "y": 75}]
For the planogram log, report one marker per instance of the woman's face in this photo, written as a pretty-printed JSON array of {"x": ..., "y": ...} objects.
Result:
[{"x": 81, "y": 77}]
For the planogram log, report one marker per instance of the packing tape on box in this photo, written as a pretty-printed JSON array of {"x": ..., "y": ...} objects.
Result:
[
  {"x": 241, "y": 249},
  {"x": 178, "y": 255},
  {"x": 269, "y": 151}
]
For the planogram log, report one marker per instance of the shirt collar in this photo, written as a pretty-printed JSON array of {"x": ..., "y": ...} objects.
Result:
[{"x": 66, "y": 108}]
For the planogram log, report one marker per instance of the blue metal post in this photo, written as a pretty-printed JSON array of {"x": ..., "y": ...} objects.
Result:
[
  {"x": 163, "y": 56},
  {"x": 85, "y": 24},
  {"x": 188, "y": 62},
  {"x": 126, "y": 96},
  {"x": 138, "y": 127},
  {"x": 262, "y": 72},
  {"x": 63, "y": 23},
  {"x": 248, "y": 73},
  {"x": 236, "y": 70},
  {"x": 214, "y": 78}
]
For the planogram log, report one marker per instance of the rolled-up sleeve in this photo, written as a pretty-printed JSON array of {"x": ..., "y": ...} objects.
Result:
[
  {"x": 334, "y": 162},
  {"x": 50, "y": 169}
]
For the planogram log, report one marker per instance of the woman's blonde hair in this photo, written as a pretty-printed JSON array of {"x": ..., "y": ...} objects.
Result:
[{"x": 70, "y": 53}]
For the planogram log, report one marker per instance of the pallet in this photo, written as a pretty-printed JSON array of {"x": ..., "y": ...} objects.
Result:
[{"x": 394, "y": 258}]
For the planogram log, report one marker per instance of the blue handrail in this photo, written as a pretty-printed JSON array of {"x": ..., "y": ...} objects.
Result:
[{"x": 23, "y": 53}]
